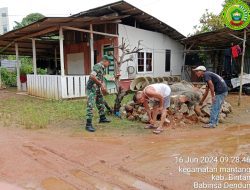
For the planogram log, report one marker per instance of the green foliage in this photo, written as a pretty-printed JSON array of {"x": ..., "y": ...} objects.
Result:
[
  {"x": 26, "y": 68},
  {"x": 8, "y": 77},
  {"x": 41, "y": 71},
  {"x": 208, "y": 22},
  {"x": 29, "y": 19}
]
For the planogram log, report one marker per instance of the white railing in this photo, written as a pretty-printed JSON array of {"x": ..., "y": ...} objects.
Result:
[
  {"x": 74, "y": 86},
  {"x": 56, "y": 86}
]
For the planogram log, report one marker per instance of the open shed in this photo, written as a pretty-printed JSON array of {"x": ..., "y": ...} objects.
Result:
[
  {"x": 70, "y": 46},
  {"x": 214, "y": 44},
  {"x": 49, "y": 40}
]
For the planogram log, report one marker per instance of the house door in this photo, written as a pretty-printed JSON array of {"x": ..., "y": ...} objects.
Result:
[
  {"x": 109, "y": 50},
  {"x": 75, "y": 63}
]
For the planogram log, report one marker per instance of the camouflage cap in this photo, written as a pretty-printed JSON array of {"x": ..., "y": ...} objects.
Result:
[{"x": 107, "y": 58}]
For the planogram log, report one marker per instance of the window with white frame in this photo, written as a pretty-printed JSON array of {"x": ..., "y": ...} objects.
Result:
[{"x": 144, "y": 62}]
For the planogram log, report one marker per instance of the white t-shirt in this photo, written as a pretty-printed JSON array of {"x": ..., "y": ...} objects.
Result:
[{"x": 161, "y": 88}]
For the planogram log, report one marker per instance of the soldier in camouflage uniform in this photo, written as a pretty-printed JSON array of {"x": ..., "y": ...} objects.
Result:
[{"x": 95, "y": 88}]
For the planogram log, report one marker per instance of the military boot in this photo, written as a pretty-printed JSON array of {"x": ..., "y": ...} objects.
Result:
[
  {"x": 89, "y": 127},
  {"x": 103, "y": 119}
]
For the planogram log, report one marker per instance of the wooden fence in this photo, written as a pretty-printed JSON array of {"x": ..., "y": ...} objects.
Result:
[{"x": 56, "y": 86}]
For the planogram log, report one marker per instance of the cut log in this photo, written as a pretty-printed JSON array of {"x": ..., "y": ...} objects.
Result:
[
  {"x": 222, "y": 120},
  {"x": 206, "y": 110},
  {"x": 184, "y": 108},
  {"x": 223, "y": 115},
  {"x": 226, "y": 108},
  {"x": 178, "y": 115},
  {"x": 131, "y": 118},
  {"x": 129, "y": 109},
  {"x": 144, "y": 118},
  {"x": 204, "y": 120}
]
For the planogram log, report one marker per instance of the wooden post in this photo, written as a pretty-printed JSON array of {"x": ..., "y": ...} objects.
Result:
[
  {"x": 34, "y": 55},
  {"x": 61, "y": 51},
  {"x": 91, "y": 42},
  {"x": 0, "y": 79},
  {"x": 17, "y": 68},
  {"x": 183, "y": 65},
  {"x": 56, "y": 60},
  {"x": 242, "y": 65}
]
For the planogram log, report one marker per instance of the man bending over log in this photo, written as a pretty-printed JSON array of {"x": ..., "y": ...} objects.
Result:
[{"x": 159, "y": 94}]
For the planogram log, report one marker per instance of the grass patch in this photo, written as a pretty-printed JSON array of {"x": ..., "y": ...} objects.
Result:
[{"x": 35, "y": 113}]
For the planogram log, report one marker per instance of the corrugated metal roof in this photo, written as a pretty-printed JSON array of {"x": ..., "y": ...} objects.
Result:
[
  {"x": 144, "y": 19},
  {"x": 52, "y": 24},
  {"x": 216, "y": 39},
  {"x": 47, "y": 26},
  {"x": 120, "y": 11}
]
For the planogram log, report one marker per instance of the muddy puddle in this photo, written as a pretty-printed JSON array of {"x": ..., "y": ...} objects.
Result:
[{"x": 227, "y": 156}]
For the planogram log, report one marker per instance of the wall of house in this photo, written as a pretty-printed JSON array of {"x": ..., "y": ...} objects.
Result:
[
  {"x": 85, "y": 49},
  {"x": 156, "y": 43},
  {"x": 78, "y": 48}
]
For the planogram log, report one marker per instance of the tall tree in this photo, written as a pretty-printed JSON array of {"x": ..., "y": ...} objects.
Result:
[
  {"x": 126, "y": 55},
  {"x": 29, "y": 19},
  {"x": 210, "y": 21}
]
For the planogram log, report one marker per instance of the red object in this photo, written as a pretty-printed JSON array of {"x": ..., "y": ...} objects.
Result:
[
  {"x": 236, "y": 24},
  {"x": 23, "y": 78},
  {"x": 125, "y": 84},
  {"x": 238, "y": 49},
  {"x": 234, "y": 51}
]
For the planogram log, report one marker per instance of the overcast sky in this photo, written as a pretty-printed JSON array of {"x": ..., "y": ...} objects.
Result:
[{"x": 180, "y": 14}]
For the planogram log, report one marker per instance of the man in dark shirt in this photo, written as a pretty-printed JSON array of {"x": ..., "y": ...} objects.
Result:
[{"x": 218, "y": 89}]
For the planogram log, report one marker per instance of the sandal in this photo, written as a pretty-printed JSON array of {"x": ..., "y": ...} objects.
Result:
[
  {"x": 150, "y": 127},
  {"x": 158, "y": 131}
]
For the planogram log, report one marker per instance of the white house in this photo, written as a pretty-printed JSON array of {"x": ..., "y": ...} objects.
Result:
[
  {"x": 161, "y": 55},
  {"x": 70, "y": 46}
]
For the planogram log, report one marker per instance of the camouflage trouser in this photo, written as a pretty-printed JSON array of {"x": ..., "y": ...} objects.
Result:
[{"x": 94, "y": 96}]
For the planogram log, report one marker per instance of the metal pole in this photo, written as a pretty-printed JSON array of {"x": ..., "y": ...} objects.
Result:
[
  {"x": 242, "y": 65},
  {"x": 61, "y": 51},
  {"x": 34, "y": 56},
  {"x": 17, "y": 68}
]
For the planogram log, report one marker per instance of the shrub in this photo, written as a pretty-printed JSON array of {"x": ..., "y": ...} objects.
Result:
[
  {"x": 8, "y": 77},
  {"x": 27, "y": 68},
  {"x": 41, "y": 71}
]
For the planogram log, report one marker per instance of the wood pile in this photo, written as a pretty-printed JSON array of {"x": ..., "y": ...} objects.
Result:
[{"x": 180, "y": 115}]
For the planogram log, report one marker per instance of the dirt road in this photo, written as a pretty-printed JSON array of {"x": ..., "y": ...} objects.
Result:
[{"x": 56, "y": 159}]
